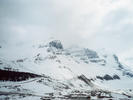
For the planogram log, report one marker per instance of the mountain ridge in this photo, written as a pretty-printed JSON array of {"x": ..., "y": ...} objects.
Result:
[{"x": 65, "y": 67}]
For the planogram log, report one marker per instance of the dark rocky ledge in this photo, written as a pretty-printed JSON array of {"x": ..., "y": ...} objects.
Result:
[
  {"x": 108, "y": 77},
  {"x": 16, "y": 76}
]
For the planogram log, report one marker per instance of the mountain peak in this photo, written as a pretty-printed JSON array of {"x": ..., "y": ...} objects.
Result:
[{"x": 56, "y": 44}]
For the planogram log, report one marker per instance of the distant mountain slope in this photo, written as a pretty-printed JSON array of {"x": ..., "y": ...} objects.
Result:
[{"x": 65, "y": 66}]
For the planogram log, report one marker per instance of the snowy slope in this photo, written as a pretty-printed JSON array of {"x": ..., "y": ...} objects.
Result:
[{"x": 62, "y": 66}]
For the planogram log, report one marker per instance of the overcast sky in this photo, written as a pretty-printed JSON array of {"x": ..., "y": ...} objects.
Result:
[{"x": 95, "y": 24}]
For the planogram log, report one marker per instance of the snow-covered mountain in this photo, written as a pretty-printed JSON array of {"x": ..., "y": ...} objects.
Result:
[{"x": 62, "y": 71}]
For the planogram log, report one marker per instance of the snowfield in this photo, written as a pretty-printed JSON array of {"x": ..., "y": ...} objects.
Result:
[{"x": 63, "y": 72}]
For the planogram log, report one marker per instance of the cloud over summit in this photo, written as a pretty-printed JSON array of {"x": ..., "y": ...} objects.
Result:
[{"x": 91, "y": 23}]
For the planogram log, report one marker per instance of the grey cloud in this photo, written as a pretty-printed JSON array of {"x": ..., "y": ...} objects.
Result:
[{"x": 90, "y": 23}]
